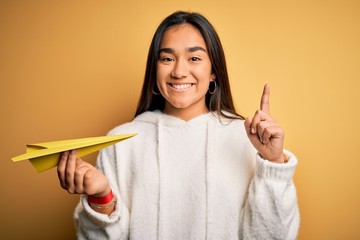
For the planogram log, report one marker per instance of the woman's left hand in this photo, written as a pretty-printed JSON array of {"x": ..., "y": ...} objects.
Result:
[{"x": 264, "y": 132}]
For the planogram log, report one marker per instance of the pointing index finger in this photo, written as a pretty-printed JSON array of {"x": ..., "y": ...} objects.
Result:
[{"x": 264, "y": 104}]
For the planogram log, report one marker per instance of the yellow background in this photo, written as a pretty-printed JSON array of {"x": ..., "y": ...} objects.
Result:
[{"x": 71, "y": 69}]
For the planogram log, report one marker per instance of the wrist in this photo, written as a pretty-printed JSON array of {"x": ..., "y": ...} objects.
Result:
[
  {"x": 102, "y": 203},
  {"x": 101, "y": 198},
  {"x": 103, "y": 193},
  {"x": 282, "y": 159}
]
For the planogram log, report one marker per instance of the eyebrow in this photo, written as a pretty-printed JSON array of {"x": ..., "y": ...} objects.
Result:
[{"x": 190, "y": 49}]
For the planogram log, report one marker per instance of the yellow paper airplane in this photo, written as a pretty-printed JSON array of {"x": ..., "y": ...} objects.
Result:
[{"x": 44, "y": 156}]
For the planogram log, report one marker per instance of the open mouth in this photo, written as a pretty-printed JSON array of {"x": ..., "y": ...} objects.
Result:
[{"x": 181, "y": 86}]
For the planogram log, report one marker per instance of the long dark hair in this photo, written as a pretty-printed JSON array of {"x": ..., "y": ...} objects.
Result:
[{"x": 221, "y": 101}]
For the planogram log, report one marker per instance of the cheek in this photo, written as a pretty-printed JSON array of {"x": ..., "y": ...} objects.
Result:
[
  {"x": 204, "y": 75},
  {"x": 203, "y": 70},
  {"x": 161, "y": 73},
  {"x": 161, "y": 80}
]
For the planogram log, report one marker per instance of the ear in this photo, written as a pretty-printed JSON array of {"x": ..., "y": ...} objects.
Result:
[{"x": 212, "y": 77}]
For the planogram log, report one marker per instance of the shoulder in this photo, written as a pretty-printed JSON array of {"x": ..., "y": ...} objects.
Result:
[
  {"x": 232, "y": 121},
  {"x": 143, "y": 122},
  {"x": 228, "y": 129}
]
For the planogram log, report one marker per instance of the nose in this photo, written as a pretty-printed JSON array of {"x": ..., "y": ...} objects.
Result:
[{"x": 180, "y": 69}]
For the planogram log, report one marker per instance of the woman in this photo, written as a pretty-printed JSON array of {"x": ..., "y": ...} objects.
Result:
[{"x": 196, "y": 169}]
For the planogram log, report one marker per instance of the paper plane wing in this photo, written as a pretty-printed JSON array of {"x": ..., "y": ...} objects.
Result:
[{"x": 44, "y": 156}]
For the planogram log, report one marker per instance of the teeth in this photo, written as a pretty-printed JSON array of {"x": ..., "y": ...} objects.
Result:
[{"x": 181, "y": 86}]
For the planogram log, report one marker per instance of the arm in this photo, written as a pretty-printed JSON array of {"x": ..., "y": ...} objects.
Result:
[
  {"x": 270, "y": 210},
  {"x": 80, "y": 177},
  {"x": 77, "y": 176}
]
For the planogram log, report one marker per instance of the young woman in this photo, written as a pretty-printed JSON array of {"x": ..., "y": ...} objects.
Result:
[{"x": 196, "y": 169}]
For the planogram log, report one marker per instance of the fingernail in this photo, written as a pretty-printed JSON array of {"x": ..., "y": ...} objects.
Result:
[
  {"x": 66, "y": 153},
  {"x": 252, "y": 130},
  {"x": 73, "y": 152}
]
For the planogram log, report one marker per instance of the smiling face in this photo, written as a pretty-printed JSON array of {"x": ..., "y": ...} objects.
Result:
[{"x": 184, "y": 71}]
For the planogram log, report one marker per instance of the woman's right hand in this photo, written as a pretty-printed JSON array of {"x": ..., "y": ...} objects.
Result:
[{"x": 78, "y": 176}]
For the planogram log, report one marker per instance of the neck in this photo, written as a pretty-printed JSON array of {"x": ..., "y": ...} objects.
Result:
[{"x": 185, "y": 114}]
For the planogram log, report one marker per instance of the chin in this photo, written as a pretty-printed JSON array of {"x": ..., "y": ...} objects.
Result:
[{"x": 179, "y": 106}]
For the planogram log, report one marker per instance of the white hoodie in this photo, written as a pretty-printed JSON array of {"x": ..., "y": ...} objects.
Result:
[{"x": 200, "y": 179}]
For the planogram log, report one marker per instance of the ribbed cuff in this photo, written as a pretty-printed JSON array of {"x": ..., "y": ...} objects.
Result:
[{"x": 276, "y": 171}]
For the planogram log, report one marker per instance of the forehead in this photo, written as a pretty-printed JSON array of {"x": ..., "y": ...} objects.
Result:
[{"x": 182, "y": 35}]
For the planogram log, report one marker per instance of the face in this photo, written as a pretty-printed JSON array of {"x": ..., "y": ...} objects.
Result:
[{"x": 184, "y": 71}]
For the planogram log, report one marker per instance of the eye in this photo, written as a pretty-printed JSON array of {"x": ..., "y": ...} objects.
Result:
[
  {"x": 195, "y": 59},
  {"x": 166, "y": 59}
]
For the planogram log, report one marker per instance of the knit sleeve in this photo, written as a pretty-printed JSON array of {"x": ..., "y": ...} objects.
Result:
[
  {"x": 271, "y": 210},
  {"x": 93, "y": 225}
]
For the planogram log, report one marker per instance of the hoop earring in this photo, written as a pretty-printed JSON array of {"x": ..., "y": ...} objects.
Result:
[
  {"x": 215, "y": 87},
  {"x": 155, "y": 93}
]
